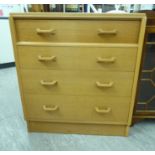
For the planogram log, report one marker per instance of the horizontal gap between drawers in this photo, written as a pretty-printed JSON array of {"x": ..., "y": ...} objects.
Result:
[
  {"x": 71, "y": 94},
  {"x": 50, "y": 69},
  {"x": 79, "y": 122},
  {"x": 77, "y": 95},
  {"x": 22, "y": 43},
  {"x": 74, "y": 95}
]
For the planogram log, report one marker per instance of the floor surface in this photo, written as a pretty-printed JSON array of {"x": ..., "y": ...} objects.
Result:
[{"x": 14, "y": 135}]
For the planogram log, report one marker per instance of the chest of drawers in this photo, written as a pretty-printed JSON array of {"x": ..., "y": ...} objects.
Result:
[{"x": 78, "y": 72}]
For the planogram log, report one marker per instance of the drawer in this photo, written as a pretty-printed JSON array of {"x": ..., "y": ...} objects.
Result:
[
  {"x": 98, "y": 31},
  {"x": 77, "y": 82},
  {"x": 60, "y": 108},
  {"x": 75, "y": 57}
]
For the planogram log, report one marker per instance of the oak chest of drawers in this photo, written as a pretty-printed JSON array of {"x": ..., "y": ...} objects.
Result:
[{"x": 78, "y": 72}]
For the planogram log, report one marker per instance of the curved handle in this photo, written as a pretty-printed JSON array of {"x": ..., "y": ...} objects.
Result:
[
  {"x": 105, "y": 85},
  {"x": 48, "y": 31},
  {"x": 104, "y": 32},
  {"x": 47, "y": 83},
  {"x": 43, "y": 58},
  {"x": 103, "y": 111},
  {"x": 46, "y": 108},
  {"x": 106, "y": 60}
]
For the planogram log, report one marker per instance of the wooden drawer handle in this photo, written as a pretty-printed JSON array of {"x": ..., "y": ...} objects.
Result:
[
  {"x": 106, "y": 60},
  {"x": 50, "y": 108},
  {"x": 49, "y": 31},
  {"x": 43, "y": 58},
  {"x": 47, "y": 83},
  {"x": 103, "y": 111},
  {"x": 105, "y": 85},
  {"x": 103, "y": 32}
]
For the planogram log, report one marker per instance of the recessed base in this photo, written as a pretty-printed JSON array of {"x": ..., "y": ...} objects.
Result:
[{"x": 74, "y": 128}]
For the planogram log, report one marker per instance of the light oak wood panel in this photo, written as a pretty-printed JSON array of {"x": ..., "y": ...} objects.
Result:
[
  {"x": 97, "y": 129},
  {"x": 77, "y": 82},
  {"x": 86, "y": 109},
  {"x": 69, "y": 44},
  {"x": 77, "y": 58},
  {"x": 99, "y": 16},
  {"x": 102, "y": 31},
  {"x": 137, "y": 69}
]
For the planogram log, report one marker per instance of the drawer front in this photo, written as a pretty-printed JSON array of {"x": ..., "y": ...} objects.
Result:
[
  {"x": 77, "y": 109},
  {"x": 83, "y": 58},
  {"x": 77, "y": 82},
  {"x": 97, "y": 31}
]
